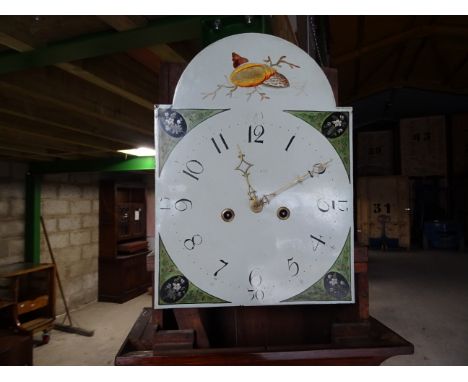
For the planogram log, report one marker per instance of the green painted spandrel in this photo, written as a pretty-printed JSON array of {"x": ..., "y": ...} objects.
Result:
[{"x": 168, "y": 269}]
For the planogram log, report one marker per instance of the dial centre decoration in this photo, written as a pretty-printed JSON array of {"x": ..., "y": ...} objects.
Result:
[{"x": 254, "y": 181}]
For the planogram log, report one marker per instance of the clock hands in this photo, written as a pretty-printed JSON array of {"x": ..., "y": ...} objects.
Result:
[
  {"x": 318, "y": 168},
  {"x": 256, "y": 205}
]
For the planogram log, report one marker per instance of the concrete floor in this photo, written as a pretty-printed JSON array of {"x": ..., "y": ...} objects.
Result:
[
  {"x": 421, "y": 295},
  {"x": 111, "y": 324}
]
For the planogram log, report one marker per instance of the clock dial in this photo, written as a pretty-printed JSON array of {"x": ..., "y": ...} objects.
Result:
[{"x": 253, "y": 208}]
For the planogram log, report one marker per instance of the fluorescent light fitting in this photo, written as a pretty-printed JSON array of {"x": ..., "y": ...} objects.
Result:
[{"x": 139, "y": 152}]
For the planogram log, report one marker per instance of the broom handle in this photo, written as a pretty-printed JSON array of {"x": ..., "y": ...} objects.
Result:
[{"x": 56, "y": 270}]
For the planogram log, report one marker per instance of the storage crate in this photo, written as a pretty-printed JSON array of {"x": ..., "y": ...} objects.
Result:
[
  {"x": 460, "y": 144},
  {"x": 375, "y": 153},
  {"x": 383, "y": 211},
  {"x": 423, "y": 146}
]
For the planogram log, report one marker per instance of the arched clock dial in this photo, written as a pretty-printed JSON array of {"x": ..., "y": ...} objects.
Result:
[
  {"x": 254, "y": 196},
  {"x": 254, "y": 209}
]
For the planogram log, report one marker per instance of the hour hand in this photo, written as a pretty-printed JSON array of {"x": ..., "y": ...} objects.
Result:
[
  {"x": 317, "y": 169},
  {"x": 255, "y": 204}
]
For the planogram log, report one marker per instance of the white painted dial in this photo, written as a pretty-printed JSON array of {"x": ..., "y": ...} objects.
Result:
[{"x": 255, "y": 258}]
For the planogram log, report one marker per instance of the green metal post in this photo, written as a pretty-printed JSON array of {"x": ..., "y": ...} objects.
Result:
[{"x": 32, "y": 234}]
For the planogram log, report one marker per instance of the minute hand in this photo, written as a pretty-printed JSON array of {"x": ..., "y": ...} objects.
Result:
[{"x": 318, "y": 168}]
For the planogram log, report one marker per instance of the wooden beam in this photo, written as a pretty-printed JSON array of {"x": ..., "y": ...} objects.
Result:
[
  {"x": 411, "y": 34},
  {"x": 359, "y": 37},
  {"x": 9, "y": 133},
  {"x": 98, "y": 81},
  {"x": 28, "y": 150},
  {"x": 78, "y": 70},
  {"x": 48, "y": 118},
  {"x": 126, "y": 23},
  {"x": 281, "y": 27},
  {"x": 60, "y": 89},
  {"x": 401, "y": 51},
  {"x": 13, "y": 155},
  {"x": 454, "y": 74},
  {"x": 146, "y": 58},
  {"x": 16, "y": 136},
  {"x": 441, "y": 64},
  {"x": 421, "y": 85},
  {"x": 417, "y": 53},
  {"x": 123, "y": 23},
  {"x": 165, "y": 30},
  {"x": 376, "y": 69}
]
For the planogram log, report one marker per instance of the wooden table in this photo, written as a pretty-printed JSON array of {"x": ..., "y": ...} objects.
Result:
[{"x": 27, "y": 298}]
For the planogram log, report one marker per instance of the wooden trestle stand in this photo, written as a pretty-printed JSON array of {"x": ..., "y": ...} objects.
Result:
[{"x": 272, "y": 335}]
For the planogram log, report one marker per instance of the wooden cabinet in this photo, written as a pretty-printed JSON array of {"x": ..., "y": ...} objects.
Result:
[
  {"x": 27, "y": 297},
  {"x": 122, "y": 241}
]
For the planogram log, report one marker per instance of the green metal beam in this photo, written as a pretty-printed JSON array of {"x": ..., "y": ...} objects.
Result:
[
  {"x": 95, "y": 165},
  {"x": 166, "y": 30},
  {"x": 32, "y": 233}
]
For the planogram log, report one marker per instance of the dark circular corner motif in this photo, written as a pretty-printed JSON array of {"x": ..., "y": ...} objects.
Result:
[
  {"x": 335, "y": 125},
  {"x": 172, "y": 123},
  {"x": 174, "y": 289},
  {"x": 336, "y": 285}
]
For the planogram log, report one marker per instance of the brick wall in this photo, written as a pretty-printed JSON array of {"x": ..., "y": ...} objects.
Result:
[
  {"x": 12, "y": 175},
  {"x": 70, "y": 207}
]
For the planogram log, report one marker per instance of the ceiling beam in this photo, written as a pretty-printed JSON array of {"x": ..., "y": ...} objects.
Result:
[
  {"x": 411, "y": 34},
  {"x": 75, "y": 133},
  {"x": 14, "y": 155},
  {"x": 15, "y": 134},
  {"x": 78, "y": 70},
  {"x": 165, "y": 30},
  {"x": 379, "y": 66},
  {"x": 359, "y": 37},
  {"x": 20, "y": 130},
  {"x": 29, "y": 150},
  {"x": 454, "y": 74},
  {"x": 49, "y": 119},
  {"x": 59, "y": 89},
  {"x": 126, "y": 23},
  {"x": 281, "y": 27},
  {"x": 102, "y": 165},
  {"x": 416, "y": 84}
]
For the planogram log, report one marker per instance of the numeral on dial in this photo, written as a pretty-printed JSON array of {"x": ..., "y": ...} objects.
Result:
[
  {"x": 194, "y": 168},
  {"x": 340, "y": 205},
  {"x": 289, "y": 143},
  {"x": 194, "y": 241},
  {"x": 225, "y": 263},
  {"x": 179, "y": 205},
  {"x": 255, "y": 280},
  {"x": 223, "y": 142},
  {"x": 257, "y": 132},
  {"x": 293, "y": 266},
  {"x": 317, "y": 242},
  {"x": 164, "y": 204}
]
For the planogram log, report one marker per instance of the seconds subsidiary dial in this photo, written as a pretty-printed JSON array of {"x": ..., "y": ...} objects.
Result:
[{"x": 253, "y": 209}]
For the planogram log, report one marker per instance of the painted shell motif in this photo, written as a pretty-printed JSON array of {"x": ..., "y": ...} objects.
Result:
[
  {"x": 248, "y": 74},
  {"x": 252, "y": 75}
]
